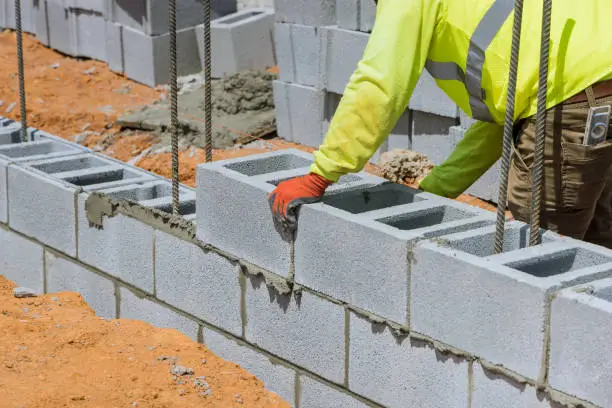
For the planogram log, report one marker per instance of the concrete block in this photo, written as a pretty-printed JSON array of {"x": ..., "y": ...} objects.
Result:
[
  {"x": 465, "y": 121},
  {"x": 459, "y": 298},
  {"x": 493, "y": 390},
  {"x": 387, "y": 220},
  {"x": 283, "y": 49},
  {"x": 401, "y": 371},
  {"x": 97, "y": 6},
  {"x": 240, "y": 41},
  {"x": 367, "y": 15},
  {"x": 312, "y": 13},
  {"x": 281, "y": 108},
  {"x": 150, "y": 17},
  {"x": 276, "y": 377},
  {"x": 135, "y": 306},
  {"x": 114, "y": 47},
  {"x": 61, "y": 35},
  {"x": 431, "y": 136},
  {"x": 21, "y": 260},
  {"x": 581, "y": 321},
  {"x": 41, "y": 148},
  {"x": 356, "y": 15},
  {"x": 97, "y": 291},
  {"x": 29, "y": 8},
  {"x": 89, "y": 30},
  {"x": 307, "y": 113},
  {"x": 241, "y": 187},
  {"x": 289, "y": 326},
  {"x": 45, "y": 210},
  {"x": 146, "y": 57},
  {"x": 315, "y": 394},
  {"x": 205, "y": 285},
  {"x": 306, "y": 54}
]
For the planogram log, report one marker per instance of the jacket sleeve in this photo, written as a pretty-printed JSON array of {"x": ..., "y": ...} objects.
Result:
[
  {"x": 379, "y": 90},
  {"x": 473, "y": 156}
]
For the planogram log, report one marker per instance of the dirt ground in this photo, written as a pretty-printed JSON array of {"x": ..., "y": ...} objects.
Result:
[{"x": 56, "y": 353}]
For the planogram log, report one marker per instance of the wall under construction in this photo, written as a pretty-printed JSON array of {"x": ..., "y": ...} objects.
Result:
[{"x": 388, "y": 297}]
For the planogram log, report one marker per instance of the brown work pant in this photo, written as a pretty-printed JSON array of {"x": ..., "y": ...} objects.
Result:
[{"x": 577, "y": 191}]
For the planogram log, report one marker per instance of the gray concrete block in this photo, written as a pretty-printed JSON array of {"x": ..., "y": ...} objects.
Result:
[
  {"x": 493, "y": 390},
  {"x": 312, "y": 13},
  {"x": 45, "y": 210},
  {"x": 89, "y": 30},
  {"x": 428, "y": 97},
  {"x": 66, "y": 275},
  {"x": 36, "y": 150},
  {"x": 114, "y": 47},
  {"x": 283, "y": 48},
  {"x": 465, "y": 121},
  {"x": 240, "y": 41},
  {"x": 367, "y": 15},
  {"x": 276, "y": 377},
  {"x": 205, "y": 285},
  {"x": 459, "y": 298},
  {"x": 386, "y": 220},
  {"x": 290, "y": 326},
  {"x": 21, "y": 260},
  {"x": 61, "y": 35},
  {"x": 307, "y": 113},
  {"x": 281, "y": 108},
  {"x": 314, "y": 394},
  {"x": 401, "y": 371},
  {"x": 306, "y": 54},
  {"x": 581, "y": 321},
  {"x": 122, "y": 248},
  {"x": 347, "y": 14},
  {"x": 98, "y": 6},
  {"x": 29, "y": 8},
  {"x": 431, "y": 136},
  {"x": 135, "y": 306},
  {"x": 146, "y": 58}
]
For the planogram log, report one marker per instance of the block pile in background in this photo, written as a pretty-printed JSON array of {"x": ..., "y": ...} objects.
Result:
[
  {"x": 132, "y": 35},
  {"x": 318, "y": 45}
]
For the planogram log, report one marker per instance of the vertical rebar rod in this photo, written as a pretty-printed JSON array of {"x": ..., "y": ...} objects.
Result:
[
  {"x": 508, "y": 127},
  {"x": 537, "y": 176},
  {"x": 174, "y": 125},
  {"x": 207, "y": 81},
  {"x": 21, "y": 74}
]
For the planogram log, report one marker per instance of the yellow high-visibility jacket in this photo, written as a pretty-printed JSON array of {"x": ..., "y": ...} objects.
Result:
[{"x": 465, "y": 45}]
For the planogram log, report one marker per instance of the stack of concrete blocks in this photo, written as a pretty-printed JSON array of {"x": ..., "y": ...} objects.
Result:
[
  {"x": 386, "y": 297},
  {"x": 131, "y": 35},
  {"x": 319, "y": 44}
]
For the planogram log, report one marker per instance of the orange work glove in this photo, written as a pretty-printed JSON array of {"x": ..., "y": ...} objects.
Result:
[{"x": 289, "y": 196}]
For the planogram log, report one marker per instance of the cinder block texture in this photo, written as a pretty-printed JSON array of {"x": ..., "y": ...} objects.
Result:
[
  {"x": 303, "y": 328},
  {"x": 21, "y": 261},
  {"x": 57, "y": 24},
  {"x": 146, "y": 58},
  {"x": 431, "y": 136},
  {"x": 136, "y": 307},
  {"x": 403, "y": 372},
  {"x": 98, "y": 6},
  {"x": 307, "y": 110},
  {"x": 276, "y": 377},
  {"x": 29, "y": 8},
  {"x": 581, "y": 321},
  {"x": 97, "y": 291},
  {"x": 492, "y": 390},
  {"x": 37, "y": 149},
  {"x": 240, "y": 41},
  {"x": 298, "y": 50},
  {"x": 341, "y": 52},
  {"x": 114, "y": 46},
  {"x": 315, "y": 394},
  {"x": 356, "y": 15},
  {"x": 312, "y": 13},
  {"x": 89, "y": 31},
  {"x": 367, "y": 15},
  {"x": 496, "y": 307},
  {"x": 205, "y": 285},
  {"x": 281, "y": 107},
  {"x": 335, "y": 235},
  {"x": 45, "y": 210},
  {"x": 122, "y": 248}
]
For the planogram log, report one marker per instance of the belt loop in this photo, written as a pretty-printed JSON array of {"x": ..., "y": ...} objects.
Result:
[{"x": 590, "y": 96}]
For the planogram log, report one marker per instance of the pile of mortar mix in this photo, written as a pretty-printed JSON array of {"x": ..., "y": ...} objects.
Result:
[
  {"x": 401, "y": 165},
  {"x": 242, "y": 110}
]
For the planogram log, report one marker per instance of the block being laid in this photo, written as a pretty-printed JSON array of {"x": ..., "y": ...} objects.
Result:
[
  {"x": 240, "y": 41},
  {"x": 496, "y": 306},
  {"x": 233, "y": 210},
  {"x": 124, "y": 246},
  {"x": 337, "y": 237},
  {"x": 581, "y": 323}
]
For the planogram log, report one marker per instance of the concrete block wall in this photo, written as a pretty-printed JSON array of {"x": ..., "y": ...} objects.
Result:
[
  {"x": 386, "y": 297},
  {"x": 132, "y": 35}
]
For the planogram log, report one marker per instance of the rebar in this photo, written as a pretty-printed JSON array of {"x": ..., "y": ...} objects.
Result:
[
  {"x": 508, "y": 127},
  {"x": 21, "y": 74},
  {"x": 207, "y": 81},
  {"x": 537, "y": 175},
  {"x": 174, "y": 123}
]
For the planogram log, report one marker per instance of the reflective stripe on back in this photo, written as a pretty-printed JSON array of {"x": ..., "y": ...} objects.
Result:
[{"x": 485, "y": 32}]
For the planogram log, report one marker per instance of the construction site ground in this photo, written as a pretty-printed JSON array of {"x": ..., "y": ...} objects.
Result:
[{"x": 76, "y": 358}]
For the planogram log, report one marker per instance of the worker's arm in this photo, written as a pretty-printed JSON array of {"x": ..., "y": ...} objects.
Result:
[
  {"x": 479, "y": 149},
  {"x": 380, "y": 88}
]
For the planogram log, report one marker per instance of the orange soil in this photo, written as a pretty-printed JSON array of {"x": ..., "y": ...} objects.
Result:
[{"x": 56, "y": 353}]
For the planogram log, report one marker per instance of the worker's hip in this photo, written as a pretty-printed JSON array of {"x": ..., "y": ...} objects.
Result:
[{"x": 576, "y": 176}]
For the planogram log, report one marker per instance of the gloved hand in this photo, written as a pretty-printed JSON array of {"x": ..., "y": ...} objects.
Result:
[{"x": 289, "y": 196}]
